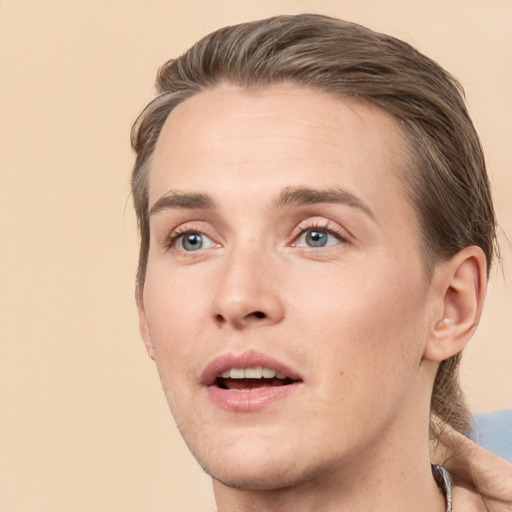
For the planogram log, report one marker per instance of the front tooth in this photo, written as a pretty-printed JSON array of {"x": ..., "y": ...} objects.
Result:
[
  {"x": 237, "y": 373},
  {"x": 254, "y": 373},
  {"x": 280, "y": 375},
  {"x": 268, "y": 373}
]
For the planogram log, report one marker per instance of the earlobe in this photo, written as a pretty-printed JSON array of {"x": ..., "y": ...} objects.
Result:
[
  {"x": 462, "y": 286},
  {"x": 143, "y": 324}
]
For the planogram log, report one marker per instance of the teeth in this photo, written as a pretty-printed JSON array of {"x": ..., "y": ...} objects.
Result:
[
  {"x": 237, "y": 373},
  {"x": 252, "y": 373},
  {"x": 268, "y": 373}
]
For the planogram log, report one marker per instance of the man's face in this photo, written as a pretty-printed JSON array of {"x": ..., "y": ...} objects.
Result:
[{"x": 285, "y": 300}]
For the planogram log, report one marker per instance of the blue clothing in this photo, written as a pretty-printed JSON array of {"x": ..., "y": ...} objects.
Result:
[{"x": 493, "y": 431}]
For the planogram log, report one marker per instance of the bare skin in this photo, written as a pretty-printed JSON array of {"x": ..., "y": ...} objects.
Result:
[
  {"x": 482, "y": 480},
  {"x": 242, "y": 187}
]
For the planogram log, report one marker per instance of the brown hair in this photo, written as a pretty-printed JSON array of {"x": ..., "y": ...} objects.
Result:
[{"x": 448, "y": 184}]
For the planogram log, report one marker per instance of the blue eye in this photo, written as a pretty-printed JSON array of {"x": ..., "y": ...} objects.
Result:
[
  {"x": 193, "y": 241},
  {"x": 317, "y": 238}
]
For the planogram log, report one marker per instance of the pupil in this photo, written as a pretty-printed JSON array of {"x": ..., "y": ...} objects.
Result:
[
  {"x": 192, "y": 242},
  {"x": 316, "y": 238}
]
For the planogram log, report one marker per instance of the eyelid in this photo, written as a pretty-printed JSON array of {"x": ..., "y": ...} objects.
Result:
[
  {"x": 179, "y": 241},
  {"x": 188, "y": 227},
  {"x": 323, "y": 224}
]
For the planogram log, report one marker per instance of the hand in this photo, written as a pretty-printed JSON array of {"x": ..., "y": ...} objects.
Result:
[{"x": 482, "y": 481}]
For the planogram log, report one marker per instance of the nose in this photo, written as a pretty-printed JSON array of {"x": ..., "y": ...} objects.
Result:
[{"x": 247, "y": 293}]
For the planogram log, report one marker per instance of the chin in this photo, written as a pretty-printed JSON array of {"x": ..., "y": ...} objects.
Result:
[
  {"x": 259, "y": 466},
  {"x": 271, "y": 476}
]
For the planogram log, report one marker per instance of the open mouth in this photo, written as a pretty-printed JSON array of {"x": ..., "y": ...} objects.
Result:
[
  {"x": 239, "y": 379},
  {"x": 249, "y": 381}
]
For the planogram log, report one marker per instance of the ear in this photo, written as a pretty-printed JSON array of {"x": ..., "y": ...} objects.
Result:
[
  {"x": 143, "y": 324},
  {"x": 461, "y": 284}
]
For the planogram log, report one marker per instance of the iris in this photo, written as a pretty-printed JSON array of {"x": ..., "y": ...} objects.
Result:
[{"x": 316, "y": 238}]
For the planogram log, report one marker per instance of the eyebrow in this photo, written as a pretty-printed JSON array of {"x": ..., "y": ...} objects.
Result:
[
  {"x": 300, "y": 196},
  {"x": 182, "y": 200},
  {"x": 290, "y": 196}
]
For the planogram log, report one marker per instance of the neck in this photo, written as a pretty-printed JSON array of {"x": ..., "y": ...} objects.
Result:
[
  {"x": 393, "y": 472},
  {"x": 399, "y": 483}
]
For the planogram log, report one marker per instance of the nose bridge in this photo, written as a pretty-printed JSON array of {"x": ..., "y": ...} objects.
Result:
[{"x": 246, "y": 290}]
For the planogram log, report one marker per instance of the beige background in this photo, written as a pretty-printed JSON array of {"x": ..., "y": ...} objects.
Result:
[{"x": 83, "y": 422}]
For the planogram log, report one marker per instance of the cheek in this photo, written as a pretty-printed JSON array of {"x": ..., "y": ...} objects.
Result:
[
  {"x": 175, "y": 314},
  {"x": 175, "y": 304},
  {"x": 368, "y": 344},
  {"x": 366, "y": 322}
]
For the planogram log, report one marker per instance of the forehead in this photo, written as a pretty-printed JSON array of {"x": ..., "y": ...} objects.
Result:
[{"x": 279, "y": 136}]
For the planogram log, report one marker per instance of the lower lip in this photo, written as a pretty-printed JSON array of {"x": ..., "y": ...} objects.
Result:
[{"x": 252, "y": 400}]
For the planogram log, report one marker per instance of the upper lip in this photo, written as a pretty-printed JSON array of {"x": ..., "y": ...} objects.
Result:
[{"x": 248, "y": 359}]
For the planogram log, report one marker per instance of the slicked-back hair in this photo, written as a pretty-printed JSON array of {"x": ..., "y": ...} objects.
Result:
[{"x": 447, "y": 183}]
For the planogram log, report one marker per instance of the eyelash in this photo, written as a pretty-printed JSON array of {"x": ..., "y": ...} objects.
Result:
[
  {"x": 323, "y": 225},
  {"x": 179, "y": 232},
  {"x": 304, "y": 227}
]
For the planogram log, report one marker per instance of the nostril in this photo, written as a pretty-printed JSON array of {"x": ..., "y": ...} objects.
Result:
[{"x": 238, "y": 320}]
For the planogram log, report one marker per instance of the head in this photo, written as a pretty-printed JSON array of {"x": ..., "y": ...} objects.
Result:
[{"x": 441, "y": 170}]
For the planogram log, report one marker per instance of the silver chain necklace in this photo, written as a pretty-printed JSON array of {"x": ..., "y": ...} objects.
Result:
[{"x": 444, "y": 481}]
